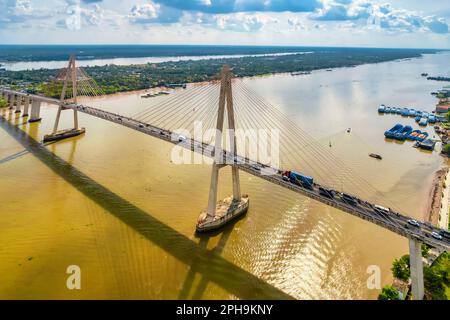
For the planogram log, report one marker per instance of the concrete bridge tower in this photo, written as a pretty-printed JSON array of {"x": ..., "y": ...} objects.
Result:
[
  {"x": 218, "y": 214},
  {"x": 67, "y": 76}
]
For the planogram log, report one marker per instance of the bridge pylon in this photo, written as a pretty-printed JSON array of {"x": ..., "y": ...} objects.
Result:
[
  {"x": 68, "y": 76},
  {"x": 219, "y": 213}
]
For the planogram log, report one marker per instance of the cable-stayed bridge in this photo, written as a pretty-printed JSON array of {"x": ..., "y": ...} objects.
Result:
[{"x": 228, "y": 105}]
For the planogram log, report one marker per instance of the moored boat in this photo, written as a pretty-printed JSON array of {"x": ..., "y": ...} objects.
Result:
[
  {"x": 391, "y": 132},
  {"x": 423, "y": 121},
  {"x": 422, "y": 136},
  {"x": 403, "y": 133},
  {"x": 413, "y": 135},
  {"x": 376, "y": 156}
]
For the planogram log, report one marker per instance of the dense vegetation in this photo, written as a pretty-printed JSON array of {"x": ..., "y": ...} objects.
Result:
[
  {"x": 436, "y": 277},
  {"x": 112, "y": 78},
  {"x": 389, "y": 293},
  {"x": 400, "y": 268}
]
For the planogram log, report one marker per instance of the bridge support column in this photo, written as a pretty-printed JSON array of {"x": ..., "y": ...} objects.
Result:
[
  {"x": 18, "y": 104},
  {"x": 218, "y": 214},
  {"x": 12, "y": 101},
  {"x": 416, "y": 266},
  {"x": 26, "y": 106},
  {"x": 35, "y": 111}
]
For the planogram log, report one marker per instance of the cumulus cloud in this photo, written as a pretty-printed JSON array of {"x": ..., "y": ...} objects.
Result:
[
  {"x": 144, "y": 13},
  {"x": 242, "y": 22},
  {"x": 383, "y": 16},
  {"x": 295, "y": 23},
  {"x": 18, "y": 11},
  {"x": 152, "y": 12}
]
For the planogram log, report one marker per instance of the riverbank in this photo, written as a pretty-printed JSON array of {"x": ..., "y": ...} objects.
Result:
[{"x": 437, "y": 196}]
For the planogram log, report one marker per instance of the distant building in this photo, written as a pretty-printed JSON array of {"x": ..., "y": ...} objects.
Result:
[{"x": 443, "y": 108}]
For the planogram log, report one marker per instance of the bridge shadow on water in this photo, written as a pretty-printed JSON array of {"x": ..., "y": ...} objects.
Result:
[{"x": 208, "y": 263}]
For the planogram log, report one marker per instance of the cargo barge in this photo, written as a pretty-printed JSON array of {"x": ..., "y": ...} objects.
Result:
[{"x": 64, "y": 134}]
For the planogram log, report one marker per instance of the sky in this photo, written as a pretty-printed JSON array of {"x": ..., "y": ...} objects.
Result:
[{"x": 362, "y": 23}]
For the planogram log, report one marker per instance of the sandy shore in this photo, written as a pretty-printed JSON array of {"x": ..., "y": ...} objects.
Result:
[{"x": 436, "y": 196}]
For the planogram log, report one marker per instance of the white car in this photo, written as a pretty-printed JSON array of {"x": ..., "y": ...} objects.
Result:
[
  {"x": 181, "y": 138},
  {"x": 436, "y": 235},
  {"x": 414, "y": 223}
]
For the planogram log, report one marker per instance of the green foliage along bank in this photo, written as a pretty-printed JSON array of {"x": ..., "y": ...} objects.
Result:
[{"x": 113, "y": 78}]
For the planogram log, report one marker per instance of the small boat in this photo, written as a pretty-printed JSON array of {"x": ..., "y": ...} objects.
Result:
[
  {"x": 423, "y": 121},
  {"x": 432, "y": 118},
  {"x": 414, "y": 135},
  {"x": 405, "y": 112},
  {"x": 412, "y": 113},
  {"x": 403, "y": 133},
  {"x": 376, "y": 156},
  {"x": 417, "y": 119},
  {"x": 388, "y": 109},
  {"x": 391, "y": 132},
  {"x": 381, "y": 108},
  {"x": 349, "y": 130},
  {"x": 422, "y": 136}
]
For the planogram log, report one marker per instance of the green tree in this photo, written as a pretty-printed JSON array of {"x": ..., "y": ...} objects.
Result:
[
  {"x": 400, "y": 268},
  {"x": 434, "y": 283},
  {"x": 425, "y": 250},
  {"x": 447, "y": 148},
  {"x": 3, "y": 103},
  {"x": 389, "y": 293}
]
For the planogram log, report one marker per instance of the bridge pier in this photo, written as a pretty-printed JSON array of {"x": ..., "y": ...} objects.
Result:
[
  {"x": 219, "y": 213},
  {"x": 12, "y": 101},
  {"x": 35, "y": 111},
  {"x": 18, "y": 104},
  {"x": 26, "y": 106},
  {"x": 416, "y": 267}
]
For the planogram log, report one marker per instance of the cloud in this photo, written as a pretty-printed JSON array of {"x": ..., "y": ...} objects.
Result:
[
  {"x": 382, "y": 16},
  {"x": 151, "y": 12},
  {"x": 295, "y": 23},
  {"x": 19, "y": 11},
  {"x": 436, "y": 25},
  {"x": 234, "y": 6},
  {"x": 243, "y": 22}
]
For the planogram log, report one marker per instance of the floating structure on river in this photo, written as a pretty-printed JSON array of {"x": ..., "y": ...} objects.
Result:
[{"x": 423, "y": 117}]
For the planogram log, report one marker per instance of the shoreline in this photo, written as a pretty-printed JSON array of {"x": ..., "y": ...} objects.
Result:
[
  {"x": 162, "y": 88},
  {"x": 437, "y": 196}
]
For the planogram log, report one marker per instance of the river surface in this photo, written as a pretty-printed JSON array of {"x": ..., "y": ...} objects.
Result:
[{"x": 112, "y": 203}]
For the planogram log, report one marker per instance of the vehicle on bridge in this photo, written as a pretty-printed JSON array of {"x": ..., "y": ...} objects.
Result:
[
  {"x": 300, "y": 179},
  {"x": 379, "y": 209},
  {"x": 349, "y": 199},
  {"x": 329, "y": 193}
]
